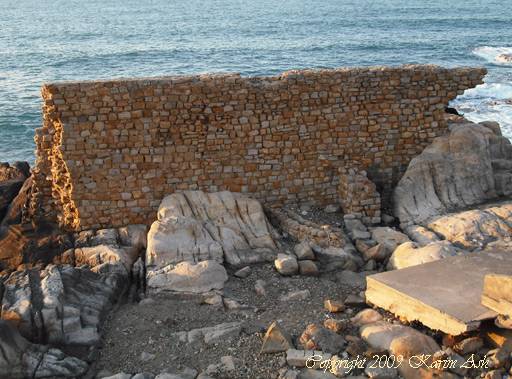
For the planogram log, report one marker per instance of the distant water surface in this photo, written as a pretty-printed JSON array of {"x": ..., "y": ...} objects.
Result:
[{"x": 54, "y": 40}]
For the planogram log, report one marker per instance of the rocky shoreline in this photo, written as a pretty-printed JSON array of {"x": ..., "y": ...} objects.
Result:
[{"x": 221, "y": 287}]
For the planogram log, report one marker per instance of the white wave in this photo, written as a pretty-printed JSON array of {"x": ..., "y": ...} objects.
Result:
[
  {"x": 495, "y": 91},
  {"x": 491, "y": 53},
  {"x": 488, "y": 102}
]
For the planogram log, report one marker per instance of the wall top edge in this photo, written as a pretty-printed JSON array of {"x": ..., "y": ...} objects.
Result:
[{"x": 286, "y": 75}]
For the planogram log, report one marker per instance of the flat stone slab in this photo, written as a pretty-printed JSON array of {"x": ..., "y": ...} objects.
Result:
[
  {"x": 443, "y": 295},
  {"x": 497, "y": 293}
]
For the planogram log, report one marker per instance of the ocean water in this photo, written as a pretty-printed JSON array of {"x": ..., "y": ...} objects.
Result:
[{"x": 51, "y": 40}]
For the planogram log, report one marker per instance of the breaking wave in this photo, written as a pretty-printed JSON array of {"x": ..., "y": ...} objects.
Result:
[{"x": 492, "y": 54}]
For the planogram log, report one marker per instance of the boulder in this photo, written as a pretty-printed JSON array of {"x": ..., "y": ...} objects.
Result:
[
  {"x": 366, "y": 316},
  {"x": 189, "y": 277},
  {"x": 195, "y": 226},
  {"x": 303, "y": 251},
  {"x": 388, "y": 237},
  {"x": 421, "y": 235},
  {"x": 308, "y": 268},
  {"x": 337, "y": 258},
  {"x": 316, "y": 337},
  {"x": 286, "y": 264},
  {"x": 21, "y": 359},
  {"x": 407, "y": 342},
  {"x": 378, "y": 253},
  {"x": 397, "y": 339},
  {"x": 410, "y": 254},
  {"x": 469, "y": 166}
]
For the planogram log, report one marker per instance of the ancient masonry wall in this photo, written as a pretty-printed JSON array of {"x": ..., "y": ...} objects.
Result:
[{"x": 109, "y": 151}]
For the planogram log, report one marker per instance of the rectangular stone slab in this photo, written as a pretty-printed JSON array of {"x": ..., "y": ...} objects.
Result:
[
  {"x": 443, "y": 295},
  {"x": 497, "y": 293}
]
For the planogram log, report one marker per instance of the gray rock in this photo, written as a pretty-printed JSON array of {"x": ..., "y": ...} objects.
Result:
[
  {"x": 189, "y": 277},
  {"x": 315, "y": 374},
  {"x": 259, "y": 287},
  {"x": 373, "y": 371},
  {"x": 21, "y": 359},
  {"x": 212, "y": 334},
  {"x": 73, "y": 302},
  {"x": 455, "y": 172},
  {"x": 409, "y": 254},
  {"x": 303, "y": 251},
  {"x": 332, "y": 208},
  {"x": 475, "y": 229},
  {"x": 308, "y": 268},
  {"x": 143, "y": 375},
  {"x": 421, "y": 235},
  {"x": 317, "y": 337},
  {"x": 336, "y": 258},
  {"x": 243, "y": 272},
  {"x": 298, "y": 358},
  {"x": 296, "y": 295},
  {"x": 389, "y": 237},
  {"x": 195, "y": 226},
  {"x": 286, "y": 264},
  {"x": 377, "y": 253},
  {"x": 121, "y": 375}
]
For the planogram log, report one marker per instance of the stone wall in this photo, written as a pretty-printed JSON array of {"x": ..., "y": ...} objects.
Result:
[{"x": 109, "y": 151}]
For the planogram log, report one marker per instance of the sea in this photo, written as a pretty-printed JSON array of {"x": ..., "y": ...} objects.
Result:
[{"x": 54, "y": 40}]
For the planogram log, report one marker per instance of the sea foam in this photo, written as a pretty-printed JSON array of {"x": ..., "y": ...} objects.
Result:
[{"x": 491, "y": 54}]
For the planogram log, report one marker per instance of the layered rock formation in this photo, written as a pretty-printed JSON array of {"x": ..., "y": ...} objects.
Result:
[
  {"x": 195, "y": 226},
  {"x": 468, "y": 167}
]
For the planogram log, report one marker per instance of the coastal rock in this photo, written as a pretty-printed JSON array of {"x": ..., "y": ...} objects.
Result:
[
  {"x": 504, "y": 58},
  {"x": 189, "y": 277},
  {"x": 11, "y": 181},
  {"x": 397, "y": 339},
  {"x": 103, "y": 257},
  {"x": 421, "y": 235},
  {"x": 303, "y": 251},
  {"x": 60, "y": 304},
  {"x": 195, "y": 226},
  {"x": 337, "y": 258},
  {"x": 405, "y": 341},
  {"x": 21, "y": 359},
  {"x": 388, "y": 237},
  {"x": 366, "y": 316},
  {"x": 15, "y": 211},
  {"x": 469, "y": 166},
  {"x": 211, "y": 334},
  {"x": 286, "y": 264},
  {"x": 475, "y": 228},
  {"x": 410, "y": 254},
  {"x": 319, "y": 338},
  {"x": 308, "y": 268}
]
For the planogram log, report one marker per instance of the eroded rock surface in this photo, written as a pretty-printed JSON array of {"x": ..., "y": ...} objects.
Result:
[
  {"x": 470, "y": 166},
  {"x": 20, "y": 359},
  {"x": 195, "y": 226},
  {"x": 60, "y": 304}
]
